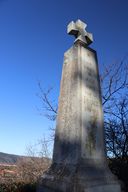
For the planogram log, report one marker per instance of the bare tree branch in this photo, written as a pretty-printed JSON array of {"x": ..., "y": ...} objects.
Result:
[
  {"x": 48, "y": 105},
  {"x": 116, "y": 128},
  {"x": 114, "y": 86},
  {"x": 114, "y": 80}
]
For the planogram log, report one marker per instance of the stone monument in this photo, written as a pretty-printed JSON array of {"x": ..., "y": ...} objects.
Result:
[{"x": 79, "y": 158}]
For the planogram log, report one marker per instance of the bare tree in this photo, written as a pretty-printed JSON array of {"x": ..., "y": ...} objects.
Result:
[
  {"x": 31, "y": 168},
  {"x": 116, "y": 126},
  {"x": 114, "y": 83},
  {"x": 114, "y": 86}
]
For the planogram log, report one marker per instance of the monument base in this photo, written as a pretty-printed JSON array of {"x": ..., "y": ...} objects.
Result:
[{"x": 78, "y": 178}]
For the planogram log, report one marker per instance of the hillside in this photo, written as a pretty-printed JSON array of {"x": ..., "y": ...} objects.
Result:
[{"x": 9, "y": 158}]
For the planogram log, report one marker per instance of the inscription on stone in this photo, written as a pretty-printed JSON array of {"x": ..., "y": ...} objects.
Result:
[{"x": 90, "y": 106}]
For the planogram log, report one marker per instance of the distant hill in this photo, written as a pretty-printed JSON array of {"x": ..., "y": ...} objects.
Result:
[
  {"x": 12, "y": 159},
  {"x": 9, "y": 158}
]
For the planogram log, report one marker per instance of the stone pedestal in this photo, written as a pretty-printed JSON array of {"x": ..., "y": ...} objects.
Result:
[{"x": 79, "y": 159}]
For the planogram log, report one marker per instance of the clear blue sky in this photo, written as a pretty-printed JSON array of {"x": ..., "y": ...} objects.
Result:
[{"x": 32, "y": 42}]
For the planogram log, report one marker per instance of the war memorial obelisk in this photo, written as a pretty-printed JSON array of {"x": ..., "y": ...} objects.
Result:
[{"x": 79, "y": 158}]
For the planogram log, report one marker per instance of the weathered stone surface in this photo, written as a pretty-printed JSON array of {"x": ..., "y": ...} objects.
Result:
[
  {"x": 79, "y": 160},
  {"x": 79, "y": 131}
]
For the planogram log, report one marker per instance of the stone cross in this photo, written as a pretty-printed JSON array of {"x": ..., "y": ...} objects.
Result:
[
  {"x": 79, "y": 159},
  {"x": 78, "y": 30}
]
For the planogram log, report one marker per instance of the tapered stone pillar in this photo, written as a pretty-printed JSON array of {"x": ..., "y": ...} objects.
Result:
[{"x": 79, "y": 159}]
